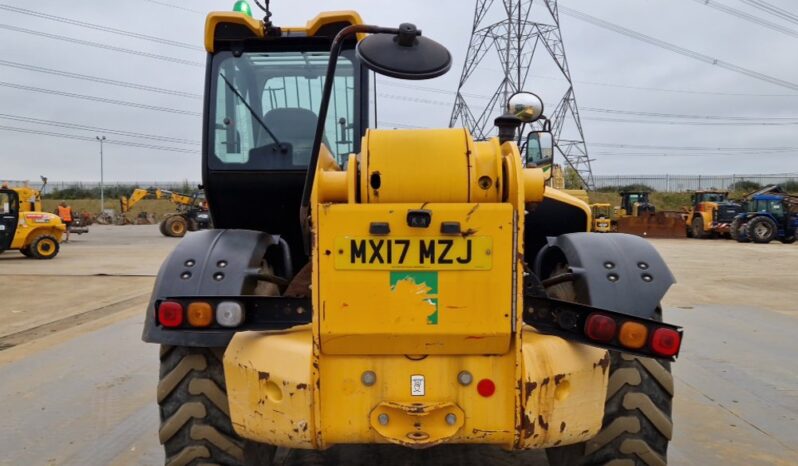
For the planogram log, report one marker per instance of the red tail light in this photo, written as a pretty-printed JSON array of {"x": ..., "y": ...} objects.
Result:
[
  {"x": 486, "y": 387},
  {"x": 600, "y": 328},
  {"x": 170, "y": 314},
  {"x": 666, "y": 342}
]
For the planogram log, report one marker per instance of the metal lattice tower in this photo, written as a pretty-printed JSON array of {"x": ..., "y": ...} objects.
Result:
[{"x": 521, "y": 28}]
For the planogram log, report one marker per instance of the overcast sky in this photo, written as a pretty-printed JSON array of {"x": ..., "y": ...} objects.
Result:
[{"x": 736, "y": 124}]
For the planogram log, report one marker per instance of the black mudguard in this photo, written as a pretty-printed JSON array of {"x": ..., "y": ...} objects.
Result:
[
  {"x": 619, "y": 272},
  {"x": 193, "y": 269}
]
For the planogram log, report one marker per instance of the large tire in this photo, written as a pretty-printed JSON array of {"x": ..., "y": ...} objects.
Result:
[
  {"x": 176, "y": 226},
  {"x": 762, "y": 230},
  {"x": 738, "y": 232},
  {"x": 195, "y": 420},
  {"x": 637, "y": 424},
  {"x": 698, "y": 228},
  {"x": 44, "y": 247}
]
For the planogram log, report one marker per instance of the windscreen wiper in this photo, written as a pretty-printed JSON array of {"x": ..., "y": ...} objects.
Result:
[{"x": 254, "y": 114}]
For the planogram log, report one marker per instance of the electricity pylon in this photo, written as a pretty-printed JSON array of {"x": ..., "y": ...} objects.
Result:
[{"x": 515, "y": 30}]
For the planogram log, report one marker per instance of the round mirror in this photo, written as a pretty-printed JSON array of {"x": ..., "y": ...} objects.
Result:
[
  {"x": 526, "y": 106},
  {"x": 406, "y": 55}
]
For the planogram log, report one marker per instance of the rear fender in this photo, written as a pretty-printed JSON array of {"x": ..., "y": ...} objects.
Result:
[
  {"x": 610, "y": 270},
  {"x": 190, "y": 269}
]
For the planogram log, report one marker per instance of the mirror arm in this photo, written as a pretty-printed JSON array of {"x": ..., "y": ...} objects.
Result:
[{"x": 335, "y": 50}]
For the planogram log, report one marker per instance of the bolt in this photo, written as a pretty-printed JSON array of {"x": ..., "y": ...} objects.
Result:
[
  {"x": 451, "y": 419},
  {"x": 185, "y": 275},
  {"x": 613, "y": 277},
  {"x": 190, "y": 263},
  {"x": 609, "y": 265},
  {"x": 646, "y": 277},
  {"x": 221, "y": 264},
  {"x": 383, "y": 419},
  {"x": 465, "y": 378},
  {"x": 218, "y": 276},
  {"x": 642, "y": 265},
  {"x": 368, "y": 378}
]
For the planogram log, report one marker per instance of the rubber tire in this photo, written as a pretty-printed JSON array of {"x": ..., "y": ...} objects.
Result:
[
  {"x": 26, "y": 252},
  {"x": 46, "y": 242},
  {"x": 176, "y": 226},
  {"x": 195, "y": 424},
  {"x": 637, "y": 424},
  {"x": 788, "y": 239},
  {"x": 162, "y": 226},
  {"x": 752, "y": 224},
  {"x": 734, "y": 232},
  {"x": 698, "y": 228}
]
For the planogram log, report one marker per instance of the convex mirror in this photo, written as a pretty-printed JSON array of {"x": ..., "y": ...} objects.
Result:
[
  {"x": 406, "y": 55},
  {"x": 525, "y": 106}
]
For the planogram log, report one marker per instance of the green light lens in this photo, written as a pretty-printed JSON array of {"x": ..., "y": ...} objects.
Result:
[{"x": 242, "y": 6}]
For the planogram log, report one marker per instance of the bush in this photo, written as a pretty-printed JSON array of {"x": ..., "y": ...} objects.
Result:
[
  {"x": 745, "y": 186},
  {"x": 790, "y": 186}
]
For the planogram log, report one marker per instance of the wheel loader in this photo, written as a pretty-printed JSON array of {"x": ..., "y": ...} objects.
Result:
[
  {"x": 638, "y": 216},
  {"x": 414, "y": 288},
  {"x": 711, "y": 214},
  {"x": 602, "y": 218}
]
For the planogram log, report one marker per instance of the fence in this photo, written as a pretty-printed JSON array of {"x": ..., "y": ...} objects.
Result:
[
  {"x": 681, "y": 183},
  {"x": 665, "y": 183}
]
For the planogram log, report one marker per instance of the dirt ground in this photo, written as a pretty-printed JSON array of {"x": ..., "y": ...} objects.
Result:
[{"x": 77, "y": 385}]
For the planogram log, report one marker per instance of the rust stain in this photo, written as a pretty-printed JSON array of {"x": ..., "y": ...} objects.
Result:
[
  {"x": 301, "y": 386},
  {"x": 529, "y": 387},
  {"x": 562, "y": 426},
  {"x": 543, "y": 422},
  {"x": 263, "y": 376},
  {"x": 469, "y": 232},
  {"x": 558, "y": 378},
  {"x": 557, "y": 442},
  {"x": 470, "y": 212},
  {"x": 544, "y": 382},
  {"x": 604, "y": 363},
  {"x": 584, "y": 432},
  {"x": 527, "y": 426}
]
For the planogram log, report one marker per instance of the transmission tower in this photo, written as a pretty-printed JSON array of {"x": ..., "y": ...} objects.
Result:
[{"x": 515, "y": 30}]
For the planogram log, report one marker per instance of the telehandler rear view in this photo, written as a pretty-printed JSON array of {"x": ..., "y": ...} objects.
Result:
[{"x": 407, "y": 287}]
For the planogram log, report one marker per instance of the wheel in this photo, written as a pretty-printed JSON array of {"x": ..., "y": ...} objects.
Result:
[
  {"x": 44, "y": 247},
  {"x": 195, "y": 420},
  {"x": 26, "y": 252},
  {"x": 788, "y": 239},
  {"x": 762, "y": 230},
  {"x": 739, "y": 231},
  {"x": 637, "y": 424},
  {"x": 698, "y": 228},
  {"x": 176, "y": 226},
  {"x": 162, "y": 226}
]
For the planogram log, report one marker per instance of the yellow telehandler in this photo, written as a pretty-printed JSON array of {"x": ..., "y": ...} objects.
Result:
[
  {"x": 406, "y": 287},
  {"x": 34, "y": 233}
]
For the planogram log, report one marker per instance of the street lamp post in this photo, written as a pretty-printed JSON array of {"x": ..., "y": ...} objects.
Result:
[{"x": 102, "y": 192}]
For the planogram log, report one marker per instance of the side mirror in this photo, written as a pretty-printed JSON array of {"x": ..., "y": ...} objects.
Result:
[
  {"x": 404, "y": 55},
  {"x": 540, "y": 151},
  {"x": 525, "y": 106}
]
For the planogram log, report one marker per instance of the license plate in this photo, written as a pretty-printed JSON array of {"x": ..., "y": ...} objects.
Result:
[{"x": 355, "y": 253}]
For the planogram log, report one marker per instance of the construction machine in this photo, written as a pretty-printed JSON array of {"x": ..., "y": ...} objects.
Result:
[
  {"x": 192, "y": 210},
  {"x": 602, "y": 218},
  {"x": 407, "y": 287},
  {"x": 638, "y": 216},
  {"x": 31, "y": 201},
  {"x": 34, "y": 233},
  {"x": 769, "y": 214},
  {"x": 711, "y": 214}
]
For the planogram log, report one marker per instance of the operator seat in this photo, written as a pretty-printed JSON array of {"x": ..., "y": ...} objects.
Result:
[{"x": 296, "y": 126}]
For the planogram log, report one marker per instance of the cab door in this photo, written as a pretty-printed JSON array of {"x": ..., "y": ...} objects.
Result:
[{"x": 9, "y": 216}]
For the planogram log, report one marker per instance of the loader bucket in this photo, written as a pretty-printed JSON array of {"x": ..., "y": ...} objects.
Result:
[{"x": 654, "y": 225}]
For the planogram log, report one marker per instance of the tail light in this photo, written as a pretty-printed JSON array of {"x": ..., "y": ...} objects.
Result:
[
  {"x": 229, "y": 314},
  {"x": 600, "y": 328},
  {"x": 200, "y": 314},
  {"x": 486, "y": 387},
  {"x": 633, "y": 335},
  {"x": 170, "y": 314},
  {"x": 666, "y": 342}
]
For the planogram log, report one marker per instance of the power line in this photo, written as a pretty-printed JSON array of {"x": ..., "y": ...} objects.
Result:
[
  {"x": 688, "y": 122},
  {"x": 92, "y": 139},
  {"x": 675, "y": 48},
  {"x": 88, "y": 43},
  {"x": 169, "y": 5},
  {"x": 773, "y": 10},
  {"x": 100, "y": 99},
  {"x": 748, "y": 17},
  {"x": 693, "y": 148},
  {"x": 97, "y": 79},
  {"x": 99, "y": 27},
  {"x": 95, "y": 129}
]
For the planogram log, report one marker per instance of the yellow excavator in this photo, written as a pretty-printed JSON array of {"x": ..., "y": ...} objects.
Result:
[
  {"x": 412, "y": 287},
  {"x": 192, "y": 210}
]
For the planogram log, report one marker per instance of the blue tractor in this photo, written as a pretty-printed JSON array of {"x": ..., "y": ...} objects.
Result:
[{"x": 767, "y": 217}]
